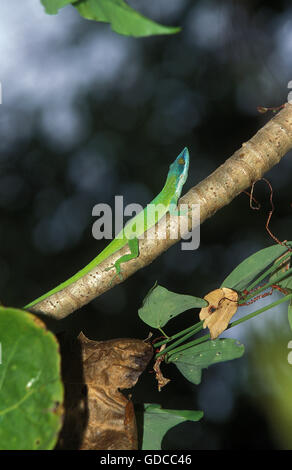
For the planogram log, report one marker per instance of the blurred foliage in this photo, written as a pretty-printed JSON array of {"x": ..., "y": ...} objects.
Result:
[
  {"x": 272, "y": 378},
  {"x": 52, "y": 6},
  {"x": 122, "y": 18},
  {"x": 88, "y": 114},
  {"x": 31, "y": 388}
]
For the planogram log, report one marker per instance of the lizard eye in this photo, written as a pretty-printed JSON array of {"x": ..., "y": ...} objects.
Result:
[{"x": 181, "y": 161}]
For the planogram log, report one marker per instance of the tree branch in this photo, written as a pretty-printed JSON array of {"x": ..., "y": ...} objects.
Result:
[{"x": 255, "y": 157}]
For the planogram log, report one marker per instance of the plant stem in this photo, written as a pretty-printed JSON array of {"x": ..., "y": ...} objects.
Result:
[
  {"x": 235, "y": 323},
  {"x": 202, "y": 339},
  {"x": 261, "y": 310},
  {"x": 181, "y": 340},
  {"x": 266, "y": 286},
  {"x": 164, "y": 334},
  {"x": 266, "y": 273},
  {"x": 177, "y": 335}
]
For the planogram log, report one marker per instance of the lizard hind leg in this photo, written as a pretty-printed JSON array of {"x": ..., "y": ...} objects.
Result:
[{"x": 134, "y": 253}]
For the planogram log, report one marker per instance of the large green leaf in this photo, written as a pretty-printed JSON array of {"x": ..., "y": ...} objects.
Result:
[
  {"x": 53, "y": 6},
  {"x": 31, "y": 391},
  {"x": 191, "y": 361},
  {"x": 157, "y": 421},
  {"x": 160, "y": 305},
  {"x": 286, "y": 284},
  {"x": 123, "y": 19},
  {"x": 252, "y": 266}
]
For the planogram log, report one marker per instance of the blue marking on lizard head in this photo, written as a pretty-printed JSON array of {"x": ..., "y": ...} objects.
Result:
[{"x": 178, "y": 171}]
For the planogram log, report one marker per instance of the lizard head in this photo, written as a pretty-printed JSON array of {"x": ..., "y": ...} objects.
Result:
[{"x": 178, "y": 171}]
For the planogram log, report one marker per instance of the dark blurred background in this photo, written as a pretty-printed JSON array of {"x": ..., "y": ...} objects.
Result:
[{"x": 87, "y": 115}]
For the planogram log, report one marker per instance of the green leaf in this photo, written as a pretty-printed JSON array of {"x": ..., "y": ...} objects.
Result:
[
  {"x": 160, "y": 305},
  {"x": 31, "y": 391},
  {"x": 285, "y": 283},
  {"x": 157, "y": 421},
  {"x": 123, "y": 19},
  {"x": 252, "y": 266},
  {"x": 190, "y": 362},
  {"x": 52, "y": 6}
]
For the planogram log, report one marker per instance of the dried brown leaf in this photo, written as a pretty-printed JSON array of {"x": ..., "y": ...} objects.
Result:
[
  {"x": 161, "y": 380},
  {"x": 98, "y": 415},
  {"x": 222, "y": 306}
]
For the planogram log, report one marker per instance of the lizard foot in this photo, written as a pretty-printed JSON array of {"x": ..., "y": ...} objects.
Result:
[{"x": 118, "y": 273}]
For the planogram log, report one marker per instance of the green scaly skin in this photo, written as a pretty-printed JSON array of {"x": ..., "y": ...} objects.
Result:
[{"x": 164, "y": 202}]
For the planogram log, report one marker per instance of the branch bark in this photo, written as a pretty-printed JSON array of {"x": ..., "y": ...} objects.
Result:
[{"x": 248, "y": 164}]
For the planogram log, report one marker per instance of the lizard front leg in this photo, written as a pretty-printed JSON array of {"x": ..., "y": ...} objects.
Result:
[{"x": 134, "y": 253}]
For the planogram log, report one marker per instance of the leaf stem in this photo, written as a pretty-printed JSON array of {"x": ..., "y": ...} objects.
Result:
[
  {"x": 266, "y": 286},
  {"x": 177, "y": 335},
  {"x": 235, "y": 323},
  {"x": 202, "y": 339},
  {"x": 164, "y": 334},
  {"x": 266, "y": 273},
  {"x": 261, "y": 310},
  {"x": 181, "y": 340}
]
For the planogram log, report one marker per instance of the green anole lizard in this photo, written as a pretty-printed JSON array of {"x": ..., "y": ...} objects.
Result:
[{"x": 165, "y": 201}]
